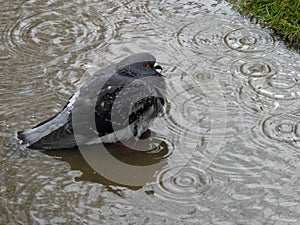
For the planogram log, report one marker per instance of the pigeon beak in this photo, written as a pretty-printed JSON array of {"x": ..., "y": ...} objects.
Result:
[{"x": 158, "y": 67}]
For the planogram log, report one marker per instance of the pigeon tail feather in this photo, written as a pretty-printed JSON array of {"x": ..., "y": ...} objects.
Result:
[{"x": 54, "y": 133}]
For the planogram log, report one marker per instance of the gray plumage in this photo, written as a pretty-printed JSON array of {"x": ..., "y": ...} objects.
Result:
[{"x": 133, "y": 85}]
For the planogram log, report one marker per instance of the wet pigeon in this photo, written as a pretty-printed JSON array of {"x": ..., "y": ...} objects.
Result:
[{"x": 118, "y": 103}]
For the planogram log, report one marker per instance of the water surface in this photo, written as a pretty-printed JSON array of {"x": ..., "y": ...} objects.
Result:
[{"x": 226, "y": 150}]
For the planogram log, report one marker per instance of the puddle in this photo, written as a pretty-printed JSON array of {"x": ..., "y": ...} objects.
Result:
[{"x": 225, "y": 151}]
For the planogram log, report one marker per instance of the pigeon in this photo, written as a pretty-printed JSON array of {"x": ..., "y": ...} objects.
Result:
[{"x": 119, "y": 103}]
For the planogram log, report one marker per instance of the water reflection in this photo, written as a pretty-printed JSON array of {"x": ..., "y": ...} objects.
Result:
[{"x": 152, "y": 158}]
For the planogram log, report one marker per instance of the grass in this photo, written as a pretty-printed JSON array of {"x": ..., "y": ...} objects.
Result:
[{"x": 283, "y": 16}]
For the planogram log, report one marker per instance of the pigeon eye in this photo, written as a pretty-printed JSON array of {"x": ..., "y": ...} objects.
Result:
[{"x": 145, "y": 65}]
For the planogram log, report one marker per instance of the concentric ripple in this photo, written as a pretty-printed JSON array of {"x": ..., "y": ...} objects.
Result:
[
  {"x": 278, "y": 87},
  {"x": 201, "y": 37},
  {"x": 154, "y": 11},
  {"x": 182, "y": 117},
  {"x": 251, "y": 67},
  {"x": 50, "y": 34},
  {"x": 283, "y": 128},
  {"x": 161, "y": 147},
  {"x": 270, "y": 93},
  {"x": 147, "y": 152},
  {"x": 248, "y": 40},
  {"x": 182, "y": 184},
  {"x": 194, "y": 100},
  {"x": 257, "y": 104},
  {"x": 66, "y": 81}
]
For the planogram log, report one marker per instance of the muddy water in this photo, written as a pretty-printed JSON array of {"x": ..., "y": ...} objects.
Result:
[{"x": 227, "y": 148}]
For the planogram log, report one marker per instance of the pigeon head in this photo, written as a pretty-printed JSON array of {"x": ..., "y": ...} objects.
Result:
[{"x": 138, "y": 66}]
